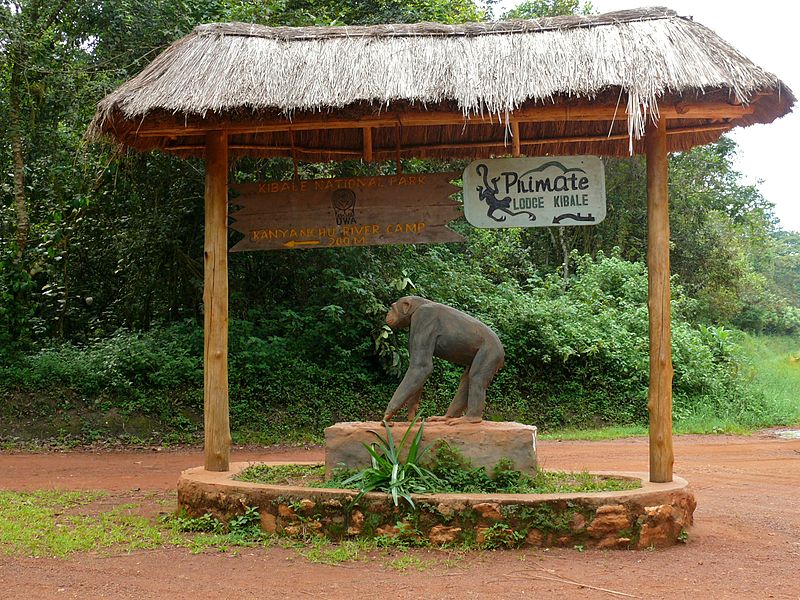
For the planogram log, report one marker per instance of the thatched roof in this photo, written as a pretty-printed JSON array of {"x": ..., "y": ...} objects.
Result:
[{"x": 577, "y": 84}]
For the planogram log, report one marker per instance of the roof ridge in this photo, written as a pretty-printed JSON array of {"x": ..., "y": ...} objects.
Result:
[{"x": 428, "y": 29}]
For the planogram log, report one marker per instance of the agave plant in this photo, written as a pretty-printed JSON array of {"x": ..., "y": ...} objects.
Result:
[{"x": 390, "y": 474}]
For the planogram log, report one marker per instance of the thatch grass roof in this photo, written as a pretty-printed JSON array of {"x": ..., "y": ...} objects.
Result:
[{"x": 564, "y": 84}]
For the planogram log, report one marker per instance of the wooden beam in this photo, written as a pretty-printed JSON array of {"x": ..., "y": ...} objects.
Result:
[
  {"x": 538, "y": 114},
  {"x": 268, "y": 147},
  {"x": 700, "y": 128},
  {"x": 215, "y": 305},
  {"x": 659, "y": 396},
  {"x": 548, "y": 141},
  {"x": 481, "y": 144}
]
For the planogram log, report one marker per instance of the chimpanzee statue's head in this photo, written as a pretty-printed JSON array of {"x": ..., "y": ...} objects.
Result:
[{"x": 399, "y": 315}]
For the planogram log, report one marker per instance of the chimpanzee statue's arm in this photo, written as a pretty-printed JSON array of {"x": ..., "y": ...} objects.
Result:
[{"x": 421, "y": 346}]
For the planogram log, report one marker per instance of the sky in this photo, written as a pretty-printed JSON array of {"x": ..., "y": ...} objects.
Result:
[{"x": 765, "y": 32}]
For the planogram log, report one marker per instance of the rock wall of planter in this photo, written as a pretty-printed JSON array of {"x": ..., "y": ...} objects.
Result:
[{"x": 655, "y": 515}]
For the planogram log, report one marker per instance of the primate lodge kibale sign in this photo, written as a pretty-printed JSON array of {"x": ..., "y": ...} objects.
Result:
[
  {"x": 355, "y": 211},
  {"x": 535, "y": 192}
]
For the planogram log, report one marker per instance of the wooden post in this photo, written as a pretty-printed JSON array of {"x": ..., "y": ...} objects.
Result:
[
  {"x": 215, "y": 304},
  {"x": 367, "y": 144},
  {"x": 659, "y": 397},
  {"x": 515, "y": 141}
]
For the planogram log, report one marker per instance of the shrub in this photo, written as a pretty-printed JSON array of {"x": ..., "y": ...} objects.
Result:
[{"x": 576, "y": 353}]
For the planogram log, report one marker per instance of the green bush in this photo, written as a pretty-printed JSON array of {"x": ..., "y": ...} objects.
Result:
[
  {"x": 576, "y": 351},
  {"x": 578, "y": 354}
]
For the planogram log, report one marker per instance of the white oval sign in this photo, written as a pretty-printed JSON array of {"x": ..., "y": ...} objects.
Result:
[{"x": 535, "y": 192}]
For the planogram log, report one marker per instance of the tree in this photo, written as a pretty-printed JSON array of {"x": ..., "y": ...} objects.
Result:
[
  {"x": 786, "y": 267},
  {"x": 40, "y": 90},
  {"x": 534, "y": 9},
  {"x": 91, "y": 241},
  {"x": 87, "y": 237},
  {"x": 58, "y": 59},
  {"x": 28, "y": 36},
  {"x": 342, "y": 12}
]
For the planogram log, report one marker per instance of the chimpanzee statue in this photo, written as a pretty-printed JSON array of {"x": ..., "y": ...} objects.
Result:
[{"x": 443, "y": 331}]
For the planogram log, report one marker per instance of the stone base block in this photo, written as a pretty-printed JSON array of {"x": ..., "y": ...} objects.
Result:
[{"x": 482, "y": 443}]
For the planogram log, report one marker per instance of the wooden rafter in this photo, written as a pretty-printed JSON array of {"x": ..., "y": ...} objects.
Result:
[
  {"x": 387, "y": 152},
  {"x": 541, "y": 114}
]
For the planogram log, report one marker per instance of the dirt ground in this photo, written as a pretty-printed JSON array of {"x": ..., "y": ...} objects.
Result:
[{"x": 745, "y": 542}]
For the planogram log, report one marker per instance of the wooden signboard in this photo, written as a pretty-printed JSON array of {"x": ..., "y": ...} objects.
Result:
[
  {"x": 356, "y": 211},
  {"x": 535, "y": 192}
]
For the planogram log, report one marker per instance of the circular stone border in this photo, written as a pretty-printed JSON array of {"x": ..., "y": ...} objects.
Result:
[{"x": 655, "y": 515}]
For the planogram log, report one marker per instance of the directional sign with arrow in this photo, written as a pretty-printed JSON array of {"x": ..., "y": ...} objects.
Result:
[
  {"x": 358, "y": 211},
  {"x": 300, "y": 243}
]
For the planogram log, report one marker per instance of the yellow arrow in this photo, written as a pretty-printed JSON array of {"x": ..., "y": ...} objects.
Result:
[{"x": 293, "y": 243}]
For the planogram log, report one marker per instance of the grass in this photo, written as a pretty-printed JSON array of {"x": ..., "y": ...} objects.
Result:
[
  {"x": 772, "y": 371},
  {"x": 409, "y": 562},
  {"x": 775, "y": 373},
  {"x": 461, "y": 478},
  {"x": 701, "y": 421},
  {"x": 771, "y": 368},
  {"x": 322, "y": 551},
  {"x": 283, "y": 474},
  {"x": 560, "y": 482},
  {"x": 612, "y": 432},
  {"x": 49, "y": 523},
  {"x": 61, "y": 524}
]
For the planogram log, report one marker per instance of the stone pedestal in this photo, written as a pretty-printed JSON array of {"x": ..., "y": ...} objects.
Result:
[{"x": 482, "y": 443}]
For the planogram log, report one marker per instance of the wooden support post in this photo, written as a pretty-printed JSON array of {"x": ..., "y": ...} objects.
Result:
[
  {"x": 215, "y": 304},
  {"x": 367, "y": 144},
  {"x": 659, "y": 397}
]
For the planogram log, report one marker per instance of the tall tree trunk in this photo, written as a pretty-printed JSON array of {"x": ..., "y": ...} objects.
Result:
[
  {"x": 19, "y": 48},
  {"x": 18, "y": 159},
  {"x": 562, "y": 245},
  {"x": 565, "y": 253}
]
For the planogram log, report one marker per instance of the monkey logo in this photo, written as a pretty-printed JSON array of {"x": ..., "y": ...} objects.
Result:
[
  {"x": 344, "y": 205},
  {"x": 488, "y": 193}
]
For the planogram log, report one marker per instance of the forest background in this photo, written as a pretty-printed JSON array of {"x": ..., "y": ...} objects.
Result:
[{"x": 101, "y": 268}]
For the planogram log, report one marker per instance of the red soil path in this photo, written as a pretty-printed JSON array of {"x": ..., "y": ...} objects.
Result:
[{"x": 745, "y": 542}]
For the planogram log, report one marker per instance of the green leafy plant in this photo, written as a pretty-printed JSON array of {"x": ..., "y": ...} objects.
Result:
[
  {"x": 205, "y": 523},
  {"x": 455, "y": 473},
  {"x": 246, "y": 525},
  {"x": 389, "y": 473},
  {"x": 501, "y": 535}
]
